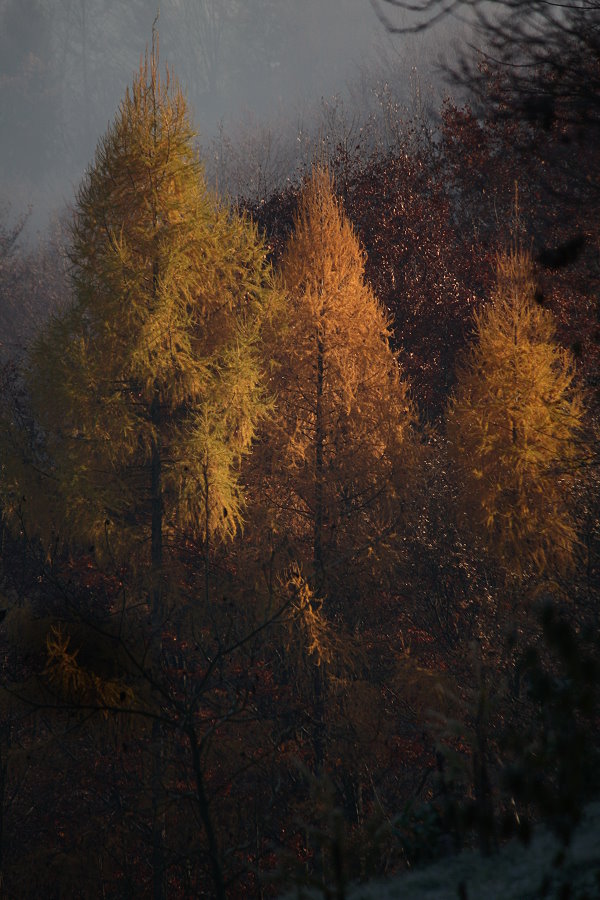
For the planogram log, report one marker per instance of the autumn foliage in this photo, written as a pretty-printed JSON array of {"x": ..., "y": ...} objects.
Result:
[
  {"x": 281, "y": 498},
  {"x": 335, "y": 456},
  {"x": 514, "y": 426}
]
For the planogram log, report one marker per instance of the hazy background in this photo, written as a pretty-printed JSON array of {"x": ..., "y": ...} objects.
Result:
[{"x": 263, "y": 78}]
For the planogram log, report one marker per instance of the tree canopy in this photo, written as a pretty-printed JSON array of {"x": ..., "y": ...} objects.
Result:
[
  {"x": 339, "y": 448},
  {"x": 514, "y": 424},
  {"x": 146, "y": 388}
]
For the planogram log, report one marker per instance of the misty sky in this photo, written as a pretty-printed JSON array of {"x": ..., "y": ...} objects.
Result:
[{"x": 244, "y": 64}]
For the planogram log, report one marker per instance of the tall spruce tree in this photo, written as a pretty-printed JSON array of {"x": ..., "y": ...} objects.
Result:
[
  {"x": 336, "y": 455},
  {"x": 514, "y": 426}
]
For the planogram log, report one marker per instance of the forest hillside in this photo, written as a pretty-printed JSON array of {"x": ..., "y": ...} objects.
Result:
[{"x": 299, "y": 537}]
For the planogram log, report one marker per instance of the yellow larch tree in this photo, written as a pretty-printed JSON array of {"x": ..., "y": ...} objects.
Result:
[
  {"x": 335, "y": 457},
  {"x": 514, "y": 426},
  {"x": 146, "y": 389}
]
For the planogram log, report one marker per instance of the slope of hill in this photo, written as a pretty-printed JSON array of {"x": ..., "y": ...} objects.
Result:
[{"x": 515, "y": 873}]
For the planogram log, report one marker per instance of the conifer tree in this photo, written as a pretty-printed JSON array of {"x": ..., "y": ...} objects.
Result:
[
  {"x": 335, "y": 457},
  {"x": 146, "y": 389},
  {"x": 331, "y": 465},
  {"x": 514, "y": 426}
]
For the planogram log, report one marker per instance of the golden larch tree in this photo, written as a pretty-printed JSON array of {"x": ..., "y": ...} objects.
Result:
[
  {"x": 514, "y": 426},
  {"x": 146, "y": 388},
  {"x": 334, "y": 459},
  {"x": 145, "y": 391}
]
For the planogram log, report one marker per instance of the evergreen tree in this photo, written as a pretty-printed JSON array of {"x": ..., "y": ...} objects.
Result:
[
  {"x": 514, "y": 426},
  {"x": 335, "y": 458}
]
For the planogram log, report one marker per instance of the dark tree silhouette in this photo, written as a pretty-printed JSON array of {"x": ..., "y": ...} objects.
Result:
[{"x": 548, "y": 52}]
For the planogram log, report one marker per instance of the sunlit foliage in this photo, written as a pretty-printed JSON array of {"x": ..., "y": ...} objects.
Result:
[
  {"x": 337, "y": 455},
  {"x": 514, "y": 424},
  {"x": 146, "y": 389}
]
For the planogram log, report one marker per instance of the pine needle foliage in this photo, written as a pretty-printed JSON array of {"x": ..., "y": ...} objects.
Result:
[
  {"x": 515, "y": 426},
  {"x": 338, "y": 450},
  {"x": 147, "y": 389}
]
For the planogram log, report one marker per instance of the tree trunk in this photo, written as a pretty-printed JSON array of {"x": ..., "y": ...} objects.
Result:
[
  {"x": 483, "y": 790},
  {"x": 206, "y": 537},
  {"x": 156, "y": 618},
  {"x": 204, "y": 809},
  {"x": 319, "y": 439},
  {"x": 4, "y": 751},
  {"x": 319, "y": 684}
]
